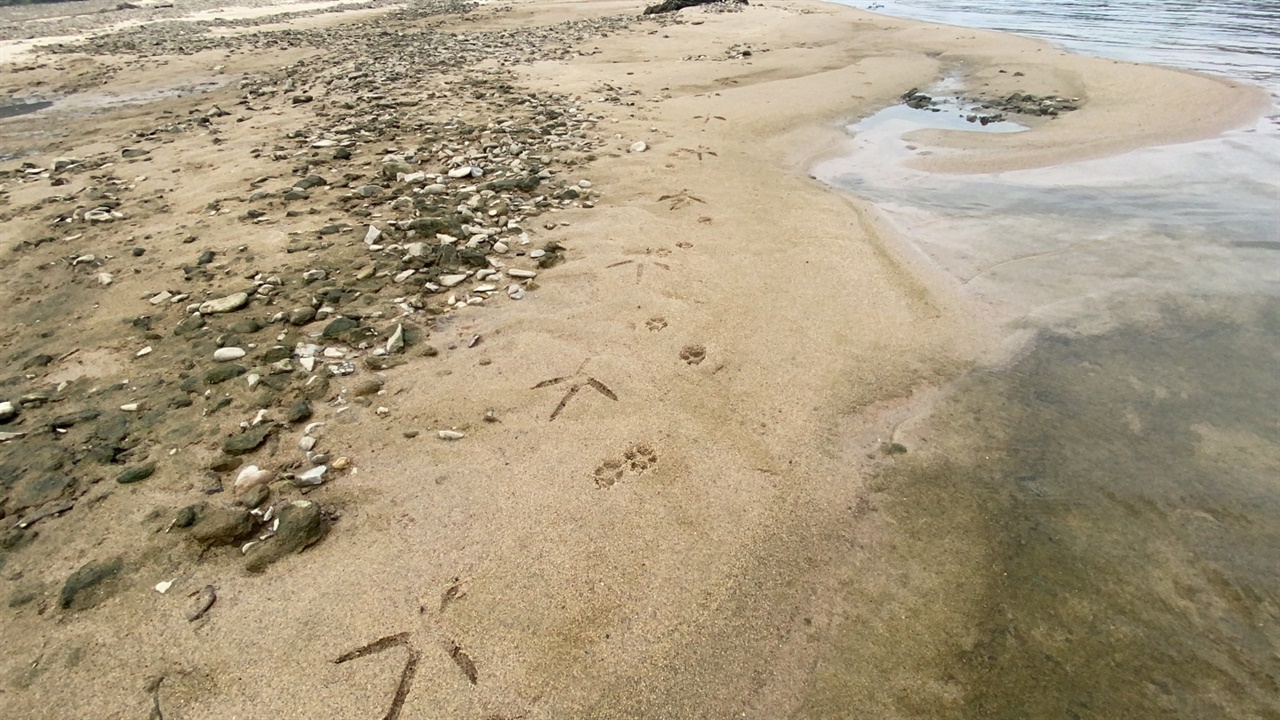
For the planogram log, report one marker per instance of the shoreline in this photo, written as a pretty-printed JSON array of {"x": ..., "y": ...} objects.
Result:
[{"x": 738, "y": 350}]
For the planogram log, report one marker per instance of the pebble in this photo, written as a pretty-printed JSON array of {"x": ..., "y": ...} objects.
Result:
[
  {"x": 228, "y": 354},
  {"x": 523, "y": 274},
  {"x": 342, "y": 463},
  {"x": 639, "y": 147},
  {"x": 306, "y": 444},
  {"x": 227, "y": 304},
  {"x": 451, "y": 280},
  {"x": 314, "y": 476},
  {"x": 450, "y": 435},
  {"x": 8, "y": 411},
  {"x": 251, "y": 476},
  {"x": 143, "y": 352},
  {"x": 160, "y": 297}
]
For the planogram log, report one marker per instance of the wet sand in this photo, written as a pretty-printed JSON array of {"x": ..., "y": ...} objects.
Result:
[{"x": 720, "y": 540}]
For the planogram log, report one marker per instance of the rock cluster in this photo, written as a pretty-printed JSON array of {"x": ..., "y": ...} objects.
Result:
[
  {"x": 987, "y": 110},
  {"x": 423, "y": 177}
]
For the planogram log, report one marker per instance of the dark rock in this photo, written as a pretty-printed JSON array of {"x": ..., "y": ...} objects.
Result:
[
  {"x": 383, "y": 362},
  {"x": 339, "y": 327},
  {"x": 674, "y": 5},
  {"x": 75, "y": 418},
  {"x": 298, "y": 412},
  {"x": 35, "y": 361},
  {"x": 245, "y": 326},
  {"x": 112, "y": 429},
  {"x": 206, "y": 257},
  {"x": 310, "y": 181},
  {"x": 367, "y": 387},
  {"x": 91, "y": 584},
  {"x": 247, "y": 441},
  {"x": 223, "y": 373},
  {"x": 188, "y": 515},
  {"x": 189, "y": 324},
  {"x": 222, "y": 526},
  {"x": 302, "y": 315},
  {"x": 276, "y": 353},
  {"x": 136, "y": 473},
  {"x": 130, "y": 153},
  {"x": 317, "y": 388},
  {"x": 256, "y": 495},
  {"x": 225, "y": 463},
  {"x": 32, "y": 493},
  {"x": 301, "y": 525}
]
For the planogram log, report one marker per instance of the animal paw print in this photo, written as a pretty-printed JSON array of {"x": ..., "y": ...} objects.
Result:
[
  {"x": 640, "y": 458},
  {"x": 609, "y": 472},
  {"x": 693, "y": 354},
  {"x": 637, "y": 460},
  {"x": 656, "y": 323}
]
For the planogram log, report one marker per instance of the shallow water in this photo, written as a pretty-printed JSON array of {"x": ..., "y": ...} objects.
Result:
[
  {"x": 1090, "y": 528},
  {"x": 22, "y": 108}
]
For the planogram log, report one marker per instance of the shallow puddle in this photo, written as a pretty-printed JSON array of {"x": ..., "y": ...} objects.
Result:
[
  {"x": 1090, "y": 533},
  {"x": 18, "y": 109}
]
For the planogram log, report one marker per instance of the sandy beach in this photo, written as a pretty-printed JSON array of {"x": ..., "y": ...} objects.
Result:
[{"x": 600, "y": 401}]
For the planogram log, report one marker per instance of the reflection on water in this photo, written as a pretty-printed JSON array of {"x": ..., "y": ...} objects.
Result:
[{"x": 1237, "y": 39}]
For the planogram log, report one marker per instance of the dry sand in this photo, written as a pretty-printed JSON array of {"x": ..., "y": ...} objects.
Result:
[{"x": 706, "y": 585}]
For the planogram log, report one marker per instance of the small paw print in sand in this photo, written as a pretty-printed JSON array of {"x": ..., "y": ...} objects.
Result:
[
  {"x": 656, "y": 323},
  {"x": 637, "y": 460},
  {"x": 693, "y": 354}
]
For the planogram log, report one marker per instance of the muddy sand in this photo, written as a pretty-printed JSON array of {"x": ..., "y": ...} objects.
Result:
[{"x": 485, "y": 361}]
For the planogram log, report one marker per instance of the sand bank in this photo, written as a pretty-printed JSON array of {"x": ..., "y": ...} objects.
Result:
[{"x": 662, "y": 520}]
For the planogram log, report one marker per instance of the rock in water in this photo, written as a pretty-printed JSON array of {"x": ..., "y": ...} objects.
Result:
[
  {"x": 227, "y": 304},
  {"x": 301, "y": 525}
]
